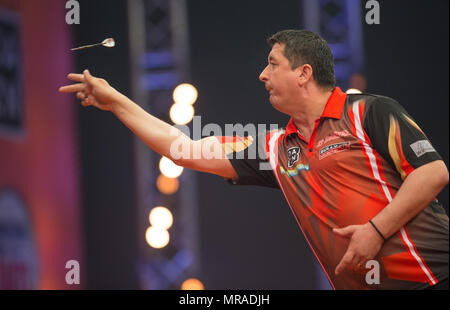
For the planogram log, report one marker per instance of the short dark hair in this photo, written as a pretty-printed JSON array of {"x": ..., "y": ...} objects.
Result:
[{"x": 306, "y": 47}]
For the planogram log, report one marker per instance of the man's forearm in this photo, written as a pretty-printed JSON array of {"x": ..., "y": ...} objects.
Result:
[
  {"x": 417, "y": 191},
  {"x": 155, "y": 133}
]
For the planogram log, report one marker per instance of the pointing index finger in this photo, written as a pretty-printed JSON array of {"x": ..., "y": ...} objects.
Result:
[
  {"x": 72, "y": 88},
  {"x": 76, "y": 77}
]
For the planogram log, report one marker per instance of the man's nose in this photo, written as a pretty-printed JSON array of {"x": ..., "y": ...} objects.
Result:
[{"x": 263, "y": 76}]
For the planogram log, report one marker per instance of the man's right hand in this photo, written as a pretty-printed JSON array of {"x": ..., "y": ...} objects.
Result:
[
  {"x": 91, "y": 90},
  {"x": 155, "y": 133}
]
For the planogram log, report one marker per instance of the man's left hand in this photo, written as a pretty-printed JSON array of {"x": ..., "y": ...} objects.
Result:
[{"x": 364, "y": 245}]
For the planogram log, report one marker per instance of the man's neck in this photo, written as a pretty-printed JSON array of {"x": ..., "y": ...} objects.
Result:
[{"x": 311, "y": 109}]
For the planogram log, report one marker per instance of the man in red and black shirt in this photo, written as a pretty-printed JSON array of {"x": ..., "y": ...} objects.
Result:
[
  {"x": 358, "y": 173},
  {"x": 355, "y": 162},
  {"x": 361, "y": 150}
]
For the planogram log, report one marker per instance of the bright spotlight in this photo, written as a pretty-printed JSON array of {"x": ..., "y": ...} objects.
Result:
[
  {"x": 169, "y": 169},
  {"x": 157, "y": 237},
  {"x": 161, "y": 217},
  {"x": 167, "y": 186},
  {"x": 353, "y": 91},
  {"x": 181, "y": 113},
  {"x": 185, "y": 93},
  {"x": 192, "y": 284}
]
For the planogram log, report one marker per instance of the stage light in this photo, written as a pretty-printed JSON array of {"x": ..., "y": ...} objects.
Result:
[
  {"x": 161, "y": 217},
  {"x": 185, "y": 93},
  {"x": 181, "y": 113},
  {"x": 169, "y": 169},
  {"x": 192, "y": 284},
  {"x": 167, "y": 186},
  {"x": 157, "y": 237},
  {"x": 353, "y": 91}
]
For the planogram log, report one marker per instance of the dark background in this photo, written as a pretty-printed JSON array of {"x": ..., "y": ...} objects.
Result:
[
  {"x": 407, "y": 59},
  {"x": 108, "y": 187},
  {"x": 248, "y": 237}
]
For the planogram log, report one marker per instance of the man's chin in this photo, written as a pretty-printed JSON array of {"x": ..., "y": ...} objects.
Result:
[
  {"x": 274, "y": 104},
  {"x": 273, "y": 101}
]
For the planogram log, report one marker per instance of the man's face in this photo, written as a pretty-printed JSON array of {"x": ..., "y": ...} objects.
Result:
[{"x": 280, "y": 80}]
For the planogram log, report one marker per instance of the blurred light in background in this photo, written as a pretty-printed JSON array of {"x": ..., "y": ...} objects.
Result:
[
  {"x": 161, "y": 217},
  {"x": 165, "y": 68},
  {"x": 353, "y": 91},
  {"x": 169, "y": 169},
  {"x": 358, "y": 81},
  {"x": 181, "y": 113},
  {"x": 167, "y": 186},
  {"x": 157, "y": 237},
  {"x": 185, "y": 93},
  {"x": 192, "y": 284}
]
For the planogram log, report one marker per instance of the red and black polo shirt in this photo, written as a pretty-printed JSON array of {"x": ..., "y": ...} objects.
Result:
[{"x": 362, "y": 148}]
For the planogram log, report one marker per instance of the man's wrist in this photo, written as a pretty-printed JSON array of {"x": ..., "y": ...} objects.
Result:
[
  {"x": 118, "y": 103},
  {"x": 374, "y": 227}
]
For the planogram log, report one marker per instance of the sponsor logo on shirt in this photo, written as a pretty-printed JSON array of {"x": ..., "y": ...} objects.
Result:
[
  {"x": 333, "y": 149},
  {"x": 293, "y": 155},
  {"x": 335, "y": 135},
  {"x": 421, "y": 147},
  {"x": 294, "y": 171}
]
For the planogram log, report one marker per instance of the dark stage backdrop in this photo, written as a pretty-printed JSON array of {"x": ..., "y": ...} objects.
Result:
[
  {"x": 249, "y": 239},
  {"x": 407, "y": 59},
  {"x": 106, "y": 153}
]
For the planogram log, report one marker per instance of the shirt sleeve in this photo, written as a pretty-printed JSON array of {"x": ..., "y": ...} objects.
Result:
[
  {"x": 397, "y": 137},
  {"x": 247, "y": 156}
]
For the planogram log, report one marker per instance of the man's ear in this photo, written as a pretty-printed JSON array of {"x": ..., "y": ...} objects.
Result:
[{"x": 304, "y": 74}]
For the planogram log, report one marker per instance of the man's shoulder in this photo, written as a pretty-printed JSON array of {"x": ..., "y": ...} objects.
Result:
[
  {"x": 370, "y": 98},
  {"x": 374, "y": 101}
]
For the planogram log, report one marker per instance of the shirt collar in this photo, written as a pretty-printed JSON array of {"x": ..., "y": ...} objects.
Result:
[{"x": 333, "y": 109}]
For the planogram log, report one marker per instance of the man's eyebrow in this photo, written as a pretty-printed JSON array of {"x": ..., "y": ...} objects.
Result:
[{"x": 271, "y": 58}]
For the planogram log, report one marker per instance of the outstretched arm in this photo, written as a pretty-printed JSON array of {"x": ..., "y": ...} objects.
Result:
[{"x": 155, "y": 133}]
